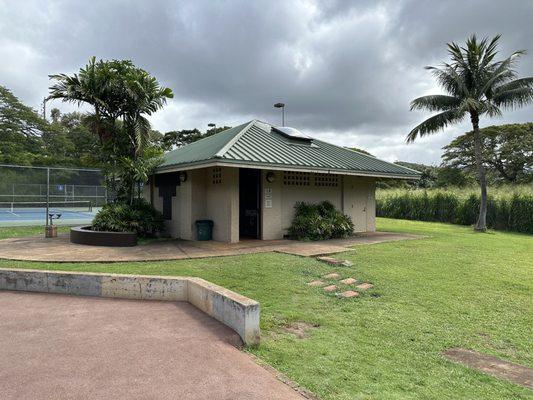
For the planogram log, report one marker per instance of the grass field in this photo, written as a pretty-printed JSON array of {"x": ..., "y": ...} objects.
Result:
[{"x": 455, "y": 288}]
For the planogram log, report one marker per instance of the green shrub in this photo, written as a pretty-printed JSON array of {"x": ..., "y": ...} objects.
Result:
[
  {"x": 512, "y": 212},
  {"x": 140, "y": 217},
  {"x": 319, "y": 222}
]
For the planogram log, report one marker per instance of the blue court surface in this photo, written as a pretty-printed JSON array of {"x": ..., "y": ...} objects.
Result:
[{"x": 37, "y": 216}]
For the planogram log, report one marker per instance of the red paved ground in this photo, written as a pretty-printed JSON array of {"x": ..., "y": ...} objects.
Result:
[{"x": 66, "y": 347}]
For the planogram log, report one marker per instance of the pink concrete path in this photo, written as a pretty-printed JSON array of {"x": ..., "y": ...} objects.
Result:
[
  {"x": 60, "y": 249},
  {"x": 65, "y": 347}
]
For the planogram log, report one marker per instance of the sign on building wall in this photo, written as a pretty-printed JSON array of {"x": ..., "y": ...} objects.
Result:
[{"x": 268, "y": 197}]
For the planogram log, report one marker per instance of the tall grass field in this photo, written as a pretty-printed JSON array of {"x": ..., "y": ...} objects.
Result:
[{"x": 509, "y": 207}]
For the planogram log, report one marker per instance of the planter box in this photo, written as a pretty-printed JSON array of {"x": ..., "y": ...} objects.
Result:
[{"x": 85, "y": 235}]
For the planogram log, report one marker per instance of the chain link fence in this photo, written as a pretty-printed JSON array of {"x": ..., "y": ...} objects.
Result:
[{"x": 34, "y": 195}]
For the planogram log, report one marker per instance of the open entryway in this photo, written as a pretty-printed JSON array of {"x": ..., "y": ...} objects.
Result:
[{"x": 249, "y": 203}]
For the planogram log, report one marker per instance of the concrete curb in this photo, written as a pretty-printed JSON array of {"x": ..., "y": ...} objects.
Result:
[{"x": 238, "y": 312}]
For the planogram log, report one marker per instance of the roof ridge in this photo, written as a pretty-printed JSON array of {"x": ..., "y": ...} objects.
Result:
[{"x": 220, "y": 153}]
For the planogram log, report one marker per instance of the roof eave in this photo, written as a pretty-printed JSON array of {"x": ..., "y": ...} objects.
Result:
[{"x": 219, "y": 162}]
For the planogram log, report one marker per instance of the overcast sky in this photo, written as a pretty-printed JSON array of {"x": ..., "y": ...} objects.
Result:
[{"x": 347, "y": 70}]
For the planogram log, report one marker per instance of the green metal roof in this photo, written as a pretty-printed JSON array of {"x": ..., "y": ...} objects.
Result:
[{"x": 257, "y": 144}]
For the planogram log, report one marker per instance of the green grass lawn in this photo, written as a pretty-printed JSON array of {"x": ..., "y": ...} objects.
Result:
[{"x": 455, "y": 288}]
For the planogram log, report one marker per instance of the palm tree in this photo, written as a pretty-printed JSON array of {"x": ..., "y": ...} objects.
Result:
[
  {"x": 122, "y": 95},
  {"x": 92, "y": 85},
  {"x": 476, "y": 85}
]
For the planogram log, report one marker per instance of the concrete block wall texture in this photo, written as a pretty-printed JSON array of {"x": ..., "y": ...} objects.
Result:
[{"x": 238, "y": 312}]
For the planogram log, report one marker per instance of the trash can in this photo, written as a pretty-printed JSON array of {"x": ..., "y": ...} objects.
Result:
[{"x": 204, "y": 229}]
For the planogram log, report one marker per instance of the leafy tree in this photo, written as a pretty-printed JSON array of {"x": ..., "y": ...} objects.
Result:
[
  {"x": 476, "y": 85},
  {"x": 506, "y": 149},
  {"x": 86, "y": 146},
  {"x": 450, "y": 176},
  {"x": 428, "y": 176},
  {"x": 361, "y": 151},
  {"x": 55, "y": 114},
  {"x": 122, "y": 96},
  {"x": 20, "y": 130},
  {"x": 175, "y": 139}
]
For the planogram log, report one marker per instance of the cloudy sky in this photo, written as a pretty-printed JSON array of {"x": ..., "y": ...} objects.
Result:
[{"x": 347, "y": 70}]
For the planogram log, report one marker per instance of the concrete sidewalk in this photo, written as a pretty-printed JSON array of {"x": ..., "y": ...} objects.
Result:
[
  {"x": 61, "y": 250},
  {"x": 67, "y": 347}
]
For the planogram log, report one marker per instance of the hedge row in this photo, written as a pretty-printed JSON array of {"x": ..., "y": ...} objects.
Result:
[{"x": 511, "y": 213}]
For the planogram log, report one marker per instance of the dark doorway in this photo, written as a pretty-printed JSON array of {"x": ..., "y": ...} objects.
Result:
[{"x": 249, "y": 203}]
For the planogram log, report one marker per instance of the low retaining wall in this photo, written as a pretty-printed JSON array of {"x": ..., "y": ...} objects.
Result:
[
  {"x": 85, "y": 235},
  {"x": 238, "y": 312}
]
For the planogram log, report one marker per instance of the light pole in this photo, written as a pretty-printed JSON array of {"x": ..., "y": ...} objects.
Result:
[
  {"x": 44, "y": 108},
  {"x": 211, "y": 125},
  {"x": 282, "y": 106}
]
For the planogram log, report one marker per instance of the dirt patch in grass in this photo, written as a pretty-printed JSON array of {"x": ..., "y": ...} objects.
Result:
[
  {"x": 300, "y": 329},
  {"x": 493, "y": 366}
]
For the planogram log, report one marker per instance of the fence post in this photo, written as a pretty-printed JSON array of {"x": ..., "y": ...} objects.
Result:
[{"x": 47, "y": 194}]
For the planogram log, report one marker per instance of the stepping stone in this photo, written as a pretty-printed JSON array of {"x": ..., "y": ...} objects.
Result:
[
  {"x": 349, "y": 293},
  {"x": 349, "y": 281},
  {"x": 365, "y": 286},
  {"x": 316, "y": 283},
  {"x": 330, "y": 288},
  {"x": 347, "y": 263},
  {"x": 333, "y": 275},
  {"x": 334, "y": 261}
]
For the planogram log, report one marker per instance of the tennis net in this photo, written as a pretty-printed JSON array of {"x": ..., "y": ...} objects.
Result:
[{"x": 40, "y": 206}]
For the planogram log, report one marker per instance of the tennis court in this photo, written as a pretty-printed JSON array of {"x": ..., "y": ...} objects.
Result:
[
  {"x": 26, "y": 214},
  {"x": 73, "y": 195}
]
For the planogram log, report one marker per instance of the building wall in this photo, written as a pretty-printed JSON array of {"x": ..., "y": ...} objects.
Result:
[
  {"x": 206, "y": 194},
  {"x": 359, "y": 202},
  {"x": 271, "y": 216},
  {"x": 352, "y": 195},
  {"x": 222, "y": 195},
  {"x": 213, "y": 193}
]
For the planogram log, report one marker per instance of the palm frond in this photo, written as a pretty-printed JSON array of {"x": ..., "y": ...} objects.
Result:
[
  {"x": 515, "y": 84},
  {"x": 513, "y": 98},
  {"x": 450, "y": 80},
  {"x": 503, "y": 73},
  {"x": 437, "y": 102},
  {"x": 490, "y": 51},
  {"x": 434, "y": 124}
]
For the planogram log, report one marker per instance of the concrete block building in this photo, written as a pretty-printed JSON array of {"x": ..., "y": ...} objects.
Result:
[{"x": 247, "y": 180}]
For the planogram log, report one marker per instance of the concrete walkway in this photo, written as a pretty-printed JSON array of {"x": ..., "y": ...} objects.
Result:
[
  {"x": 66, "y": 347},
  {"x": 61, "y": 250}
]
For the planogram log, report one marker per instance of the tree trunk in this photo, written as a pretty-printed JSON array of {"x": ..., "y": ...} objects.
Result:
[{"x": 481, "y": 224}]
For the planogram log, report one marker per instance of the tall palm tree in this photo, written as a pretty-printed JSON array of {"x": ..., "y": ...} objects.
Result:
[{"x": 476, "y": 85}]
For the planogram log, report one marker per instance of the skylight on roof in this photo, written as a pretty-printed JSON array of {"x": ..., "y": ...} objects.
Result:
[{"x": 292, "y": 133}]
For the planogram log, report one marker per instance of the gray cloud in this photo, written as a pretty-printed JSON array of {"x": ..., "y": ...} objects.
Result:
[{"x": 346, "y": 70}]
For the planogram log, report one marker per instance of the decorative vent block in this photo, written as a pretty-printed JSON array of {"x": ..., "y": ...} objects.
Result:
[
  {"x": 217, "y": 175},
  {"x": 293, "y": 178},
  {"x": 328, "y": 180}
]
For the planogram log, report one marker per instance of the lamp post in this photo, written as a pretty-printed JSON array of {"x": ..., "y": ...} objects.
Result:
[{"x": 282, "y": 106}]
